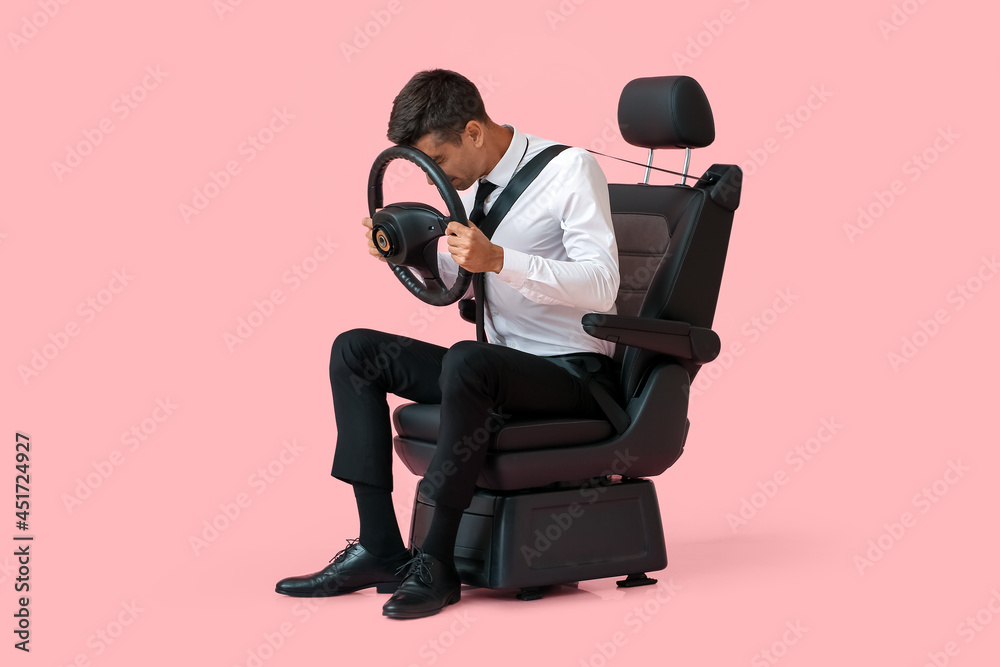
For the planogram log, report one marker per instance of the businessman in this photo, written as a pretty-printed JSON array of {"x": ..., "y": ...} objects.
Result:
[{"x": 552, "y": 260}]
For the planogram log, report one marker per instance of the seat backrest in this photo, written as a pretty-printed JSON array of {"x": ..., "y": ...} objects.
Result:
[{"x": 672, "y": 239}]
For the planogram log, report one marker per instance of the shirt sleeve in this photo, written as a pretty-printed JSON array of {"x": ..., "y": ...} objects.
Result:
[
  {"x": 448, "y": 270},
  {"x": 589, "y": 279}
]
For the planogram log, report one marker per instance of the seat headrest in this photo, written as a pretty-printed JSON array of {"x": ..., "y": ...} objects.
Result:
[{"x": 665, "y": 112}]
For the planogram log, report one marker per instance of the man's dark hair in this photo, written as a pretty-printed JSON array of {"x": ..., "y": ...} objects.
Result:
[{"x": 438, "y": 101}]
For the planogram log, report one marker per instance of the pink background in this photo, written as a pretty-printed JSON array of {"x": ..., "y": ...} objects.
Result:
[{"x": 554, "y": 70}]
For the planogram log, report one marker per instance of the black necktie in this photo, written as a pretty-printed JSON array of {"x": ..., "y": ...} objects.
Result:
[{"x": 479, "y": 279}]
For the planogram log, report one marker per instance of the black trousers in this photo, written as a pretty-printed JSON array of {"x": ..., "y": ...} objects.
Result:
[{"x": 478, "y": 385}]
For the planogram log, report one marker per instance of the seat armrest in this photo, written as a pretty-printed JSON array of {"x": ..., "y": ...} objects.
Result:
[{"x": 678, "y": 339}]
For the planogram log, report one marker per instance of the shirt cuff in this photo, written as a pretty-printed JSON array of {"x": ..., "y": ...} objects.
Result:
[{"x": 515, "y": 267}]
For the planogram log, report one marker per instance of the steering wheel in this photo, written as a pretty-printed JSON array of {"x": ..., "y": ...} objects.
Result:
[{"x": 406, "y": 233}]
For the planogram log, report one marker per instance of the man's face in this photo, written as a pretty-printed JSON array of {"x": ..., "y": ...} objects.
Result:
[{"x": 462, "y": 163}]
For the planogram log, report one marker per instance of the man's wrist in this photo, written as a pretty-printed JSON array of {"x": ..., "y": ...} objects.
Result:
[{"x": 497, "y": 259}]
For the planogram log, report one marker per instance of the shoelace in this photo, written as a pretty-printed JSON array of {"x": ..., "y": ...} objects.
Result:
[
  {"x": 418, "y": 563},
  {"x": 340, "y": 555}
]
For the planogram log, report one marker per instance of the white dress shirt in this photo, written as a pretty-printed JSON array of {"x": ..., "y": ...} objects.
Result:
[{"x": 560, "y": 257}]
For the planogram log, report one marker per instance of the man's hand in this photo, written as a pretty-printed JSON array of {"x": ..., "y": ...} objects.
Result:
[
  {"x": 471, "y": 250},
  {"x": 372, "y": 250}
]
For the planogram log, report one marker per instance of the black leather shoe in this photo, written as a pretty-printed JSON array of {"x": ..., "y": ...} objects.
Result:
[
  {"x": 352, "y": 569},
  {"x": 428, "y": 587}
]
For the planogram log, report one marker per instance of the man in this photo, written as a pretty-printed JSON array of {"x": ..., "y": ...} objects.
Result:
[{"x": 552, "y": 259}]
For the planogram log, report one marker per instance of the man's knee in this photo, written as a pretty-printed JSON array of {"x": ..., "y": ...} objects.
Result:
[
  {"x": 345, "y": 349},
  {"x": 353, "y": 347},
  {"x": 467, "y": 362}
]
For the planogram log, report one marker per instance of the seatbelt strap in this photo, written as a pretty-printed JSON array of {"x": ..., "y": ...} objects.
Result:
[
  {"x": 518, "y": 184},
  {"x": 582, "y": 366},
  {"x": 612, "y": 410},
  {"x": 469, "y": 309},
  {"x": 709, "y": 177}
]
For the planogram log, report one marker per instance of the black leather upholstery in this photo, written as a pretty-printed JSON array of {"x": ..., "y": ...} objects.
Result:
[
  {"x": 666, "y": 112},
  {"x": 685, "y": 287}
]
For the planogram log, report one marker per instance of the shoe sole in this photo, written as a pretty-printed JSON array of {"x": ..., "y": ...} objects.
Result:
[
  {"x": 382, "y": 587},
  {"x": 452, "y": 599}
]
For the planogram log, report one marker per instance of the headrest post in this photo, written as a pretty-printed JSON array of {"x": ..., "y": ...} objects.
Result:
[
  {"x": 687, "y": 163},
  {"x": 649, "y": 163}
]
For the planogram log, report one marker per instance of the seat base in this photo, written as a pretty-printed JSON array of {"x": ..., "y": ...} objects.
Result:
[{"x": 543, "y": 537}]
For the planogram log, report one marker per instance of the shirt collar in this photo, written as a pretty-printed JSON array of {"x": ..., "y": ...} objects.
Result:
[{"x": 508, "y": 164}]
